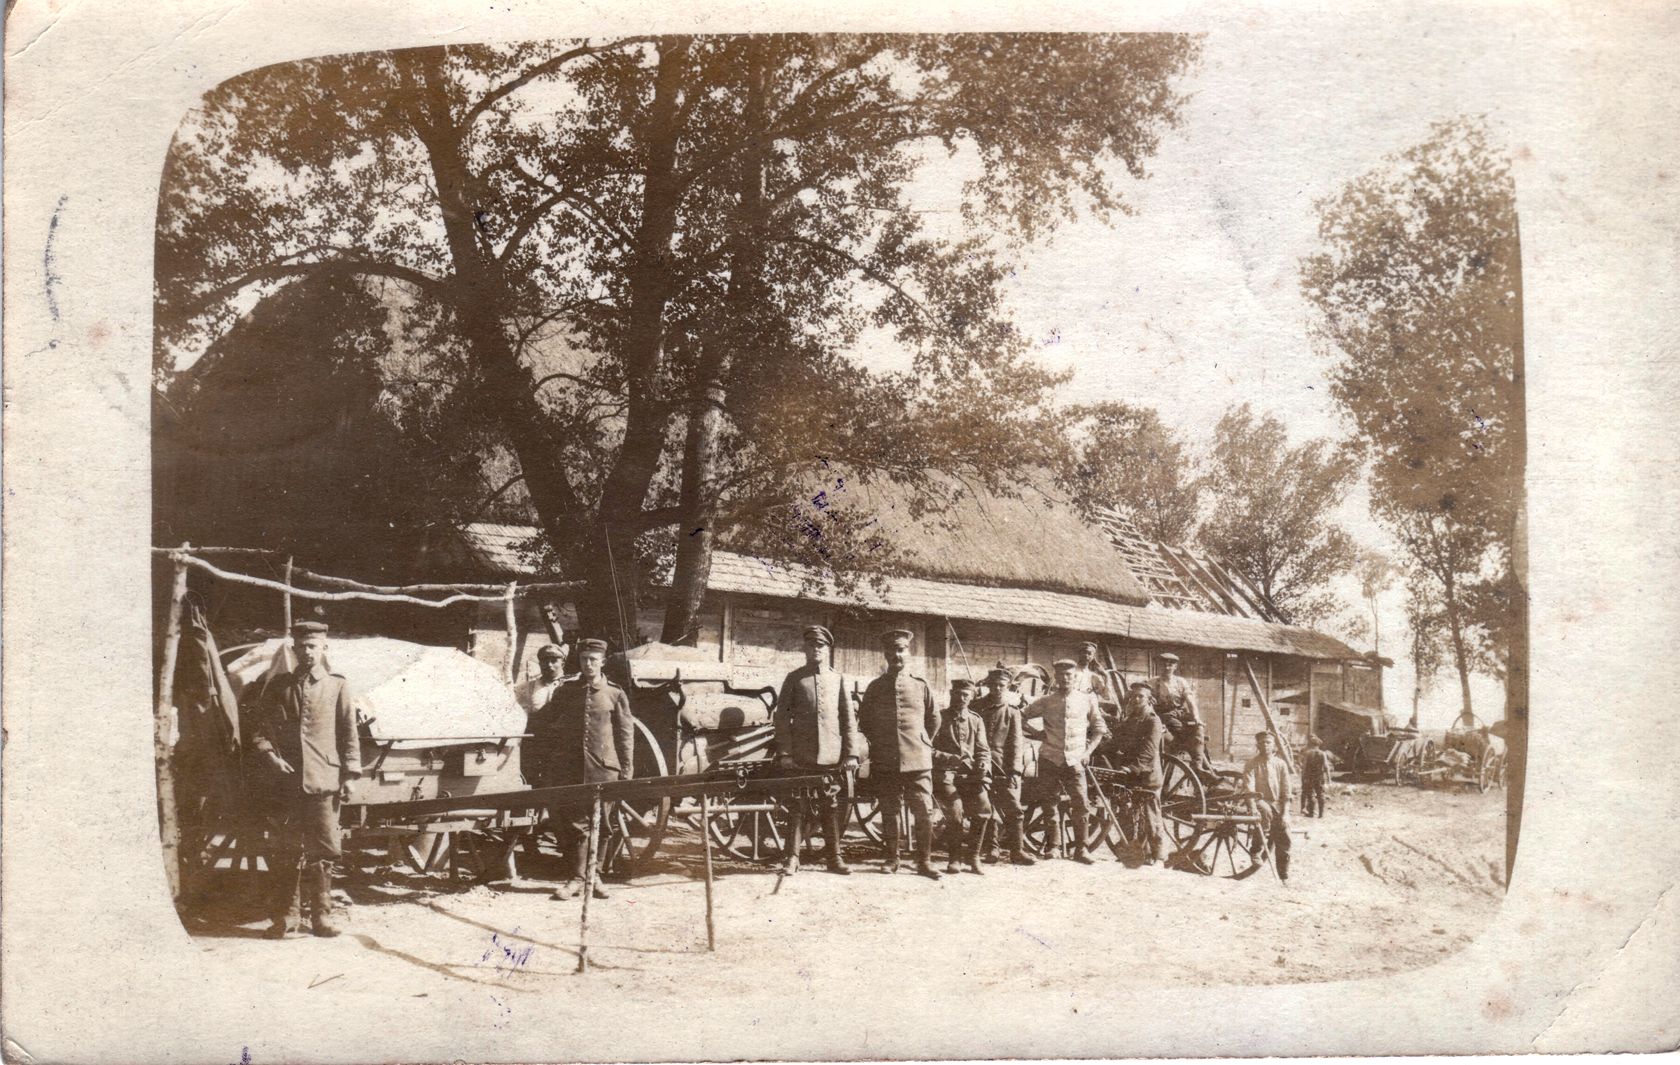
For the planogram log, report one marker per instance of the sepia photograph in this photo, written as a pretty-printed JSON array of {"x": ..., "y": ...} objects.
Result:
[{"x": 649, "y": 524}]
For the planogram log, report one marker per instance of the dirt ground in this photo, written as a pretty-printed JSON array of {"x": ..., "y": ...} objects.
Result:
[{"x": 1392, "y": 879}]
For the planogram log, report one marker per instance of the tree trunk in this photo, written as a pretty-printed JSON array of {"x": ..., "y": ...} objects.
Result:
[
  {"x": 1461, "y": 659},
  {"x": 697, "y": 532}
]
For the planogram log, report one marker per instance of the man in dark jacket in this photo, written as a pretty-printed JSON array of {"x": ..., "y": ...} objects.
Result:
[
  {"x": 816, "y": 728},
  {"x": 1000, "y": 710},
  {"x": 1137, "y": 758},
  {"x": 305, "y": 735},
  {"x": 898, "y": 719},
  {"x": 586, "y": 735},
  {"x": 962, "y": 766}
]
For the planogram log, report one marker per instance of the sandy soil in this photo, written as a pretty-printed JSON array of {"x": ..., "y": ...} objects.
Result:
[{"x": 1392, "y": 879}]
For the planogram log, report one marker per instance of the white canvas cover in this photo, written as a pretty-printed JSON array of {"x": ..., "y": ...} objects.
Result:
[{"x": 409, "y": 692}]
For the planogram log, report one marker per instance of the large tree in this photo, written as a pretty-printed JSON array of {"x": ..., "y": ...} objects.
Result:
[
  {"x": 1417, "y": 289},
  {"x": 1272, "y": 516},
  {"x": 659, "y": 255},
  {"x": 1124, "y": 456}
]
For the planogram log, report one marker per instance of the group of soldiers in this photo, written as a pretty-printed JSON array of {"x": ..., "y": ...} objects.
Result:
[{"x": 970, "y": 758}]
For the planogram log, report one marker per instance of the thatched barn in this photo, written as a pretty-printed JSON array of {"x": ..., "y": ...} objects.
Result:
[{"x": 1015, "y": 580}]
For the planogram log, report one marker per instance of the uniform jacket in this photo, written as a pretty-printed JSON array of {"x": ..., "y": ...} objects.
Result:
[
  {"x": 1175, "y": 697},
  {"x": 1094, "y": 681},
  {"x": 305, "y": 717},
  {"x": 586, "y": 735},
  {"x": 960, "y": 750},
  {"x": 1315, "y": 765},
  {"x": 899, "y": 720},
  {"x": 1003, "y": 736},
  {"x": 815, "y": 722},
  {"x": 1269, "y": 778},
  {"x": 1137, "y": 748},
  {"x": 1072, "y": 721}
]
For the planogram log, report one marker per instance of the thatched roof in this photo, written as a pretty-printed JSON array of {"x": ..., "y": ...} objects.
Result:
[{"x": 1035, "y": 540}]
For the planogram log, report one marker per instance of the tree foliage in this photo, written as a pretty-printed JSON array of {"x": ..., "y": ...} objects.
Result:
[
  {"x": 1417, "y": 289},
  {"x": 1123, "y": 456},
  {"x": 660, "y": 256},
  {"x": 1272, "y": 512}
]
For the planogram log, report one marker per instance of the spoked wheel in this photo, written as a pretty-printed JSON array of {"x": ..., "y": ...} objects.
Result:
[
  {"x": 425, "y": 852},
  {"x": 1232, "y": 849},
  {"x": 635, "y": 830},
  {"x": 1049, "y": 828},
  {"x": 487, "y": 854},
  {"x": 1183, "y": 797},
  {"x": 751, "y": 831}
]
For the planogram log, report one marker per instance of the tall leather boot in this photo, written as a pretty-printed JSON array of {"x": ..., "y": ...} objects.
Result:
[
  {"x": 1079, "y": 825},
  {"x": 320, "y": 907},
  {"x": 831, "y": 822},
  {"x": 924, "y": 848},
  {"x": 1018, "y": 842},
  {"x": 284, "y": 906},
  {"x": 889, "y": 841},
  {"x": 953, "y": 835},
  {"x": 977, "y": 837}
]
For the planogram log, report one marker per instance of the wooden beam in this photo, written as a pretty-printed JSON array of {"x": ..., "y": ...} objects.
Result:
[
  {"x": 163, "y": 715},
  {"x": 1266, "y": 711}
]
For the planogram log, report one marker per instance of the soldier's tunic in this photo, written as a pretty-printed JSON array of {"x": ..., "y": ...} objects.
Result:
[
  {"x": 815, "y": 723},
  {"x": 1175, "y": 702},
  {"x": 1315, "y": 773},
  {"x": 1072, "y": 722},
  {"x": 962, "y": 760},
  {"x": 816, "y": 726},
  {"x": 1002, "y": 719},
  {"x": 898, "y": 719},
  {"x": 306, "y": 718},
  {"x": 586, "y": 735}
]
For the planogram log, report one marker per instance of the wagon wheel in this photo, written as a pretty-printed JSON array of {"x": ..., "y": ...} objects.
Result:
[
  {"x": 487, "y": 854},
  {"x": 1041, "y": 824},
  {"x": 636, "y": 829},
  {"x": 1182, "y": 797},
  {"x": 1231, "y": 849},
  {"x": 1485, "y": 775},
  {"x": 1123, "y": 831},
  {"x": 751, "y": 831},
  {"x": 425, "y": 852}
]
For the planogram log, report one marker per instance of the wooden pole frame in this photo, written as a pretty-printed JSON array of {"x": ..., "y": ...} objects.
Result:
[
  {"x": 706, "y": 839},
  {"x": 588, "y": 881},
  {"x": 163, "y": 753}
]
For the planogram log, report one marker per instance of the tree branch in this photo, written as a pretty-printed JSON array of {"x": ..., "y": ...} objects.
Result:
[
  {"x": 340, "y": 267},
  {"x": 541, "y": 70},
  {"x": 862, "y": 267}
]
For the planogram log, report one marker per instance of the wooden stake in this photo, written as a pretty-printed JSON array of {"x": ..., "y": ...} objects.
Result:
[
  {"x": 163, "y": 755},
  {"x": 512, "y": 633},
  {"x": 706, "y": 838},
  {"x": 1266, "y": 711},
  {"x": 588, "y": 880},
  {"x": 287, "y": 598}
]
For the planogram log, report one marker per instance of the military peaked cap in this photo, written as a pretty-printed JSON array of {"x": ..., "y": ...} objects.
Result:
[
  {"x": 894, "y": 635},
  {"x": 549, "y": 650},
  {"x": 592, "y": 645},
  {"x": 309, "y": 628},
  {"x": 1167, "y": 656},
  {"x": 819, "y": 632},
  {"x": 962, "y": 685},
  {"x": 1064, "y": 663},
  {"x": 1000, "y": 672},
  {"x": 1140, "y": 684},
  {"x": 1092, "y": 644}
]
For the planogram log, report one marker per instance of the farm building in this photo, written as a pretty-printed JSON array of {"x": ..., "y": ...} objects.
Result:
[{"x": 1012, "y": 580}]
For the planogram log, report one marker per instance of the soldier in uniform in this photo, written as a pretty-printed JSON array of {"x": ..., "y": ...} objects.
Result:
[
  {"x": 899, "y": 720},
  {"x": 1000, "y": 710},
  {"x": 305, "y": 733},
  {"x": 1175, "y": 701},
  {"x": 1137, "y": 758},
  {"x": 1089, "y": 677},
  {"x": 586, "y": 735},
  {"x": 1268, "y": 776},
  {"x": 1072, "y": 727},
  {"x": 816, "y": 728},
  {"x": 962, "y": 764},
  {"x": 533, "y": 693}
]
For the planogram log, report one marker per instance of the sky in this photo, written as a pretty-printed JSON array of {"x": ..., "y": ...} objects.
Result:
[{"x": 1192, "y": 303}]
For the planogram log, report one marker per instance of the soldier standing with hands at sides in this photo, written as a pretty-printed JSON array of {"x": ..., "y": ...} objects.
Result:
[
  {"x": 586, "y": 735},
  {"x": 1073, "y": 728},
  {"x": 1267, "y": 775},
  {"x": 898, "y": 719},
  {"x": 1000, "y": 711},
  {"x": 305, "y": 733},
  {"x": 1316, "y": 763},
  {"x": 962, "y": 761},
  {"x": 1138, "y": 740},
  {"x": 816, "y": 728}
]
